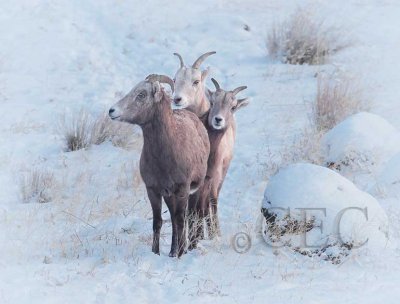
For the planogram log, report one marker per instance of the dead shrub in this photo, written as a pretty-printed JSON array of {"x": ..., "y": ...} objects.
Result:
[
  {"x": 303, "y": 40},
  {"x": 76, "y": 130},
  {"x": 36, "y": 185},
  {"x": 284, "y": 230},
  {"x": 102, "y": 130},
  {"x": 337, "y": 98},
  {"x": 81, "y": 130}
]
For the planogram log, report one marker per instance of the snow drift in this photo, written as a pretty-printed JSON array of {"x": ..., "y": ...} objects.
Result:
[
  {"x": 388, "y": 181},
  {"x": 335, "y": 216},
  {"x": 361, "y": 142}
]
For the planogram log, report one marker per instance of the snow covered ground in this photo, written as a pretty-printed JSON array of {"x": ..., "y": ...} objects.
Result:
[{"x": 91, "y": 242}]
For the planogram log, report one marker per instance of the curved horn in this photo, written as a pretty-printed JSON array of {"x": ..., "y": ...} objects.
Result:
[
  {"x": 161, "y": 79},
  {"x": 200, "y": 60},
  {"x": 180, "y": 59},
  {"x": 216, "y": 84},
  {"x": 237, "y": 90}
]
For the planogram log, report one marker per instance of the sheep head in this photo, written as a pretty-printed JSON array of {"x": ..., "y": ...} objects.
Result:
[
  {"x": 189, "y": 83},
  {"x": 223, "y": 105},
  {"x": 138, "y": 106}
]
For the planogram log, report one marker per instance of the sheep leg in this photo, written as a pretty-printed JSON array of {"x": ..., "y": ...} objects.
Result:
[
  {"x": 180, "y": 210},
  {"x": 203, "y": 214},
  {"x": 155, "y": 200},
  {"x": 170, "y": 201},
  {"x": 214, "y": 229},
  {"x": 203, "y": 207},
  {"x": 211, "y": 219},
  {"x": 209, "y": 222},
  {"x": 193, "y": 219},
  {"x": 213, "y": 222}
]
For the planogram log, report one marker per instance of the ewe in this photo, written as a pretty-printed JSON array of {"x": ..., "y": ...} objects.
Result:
[
  {"x": 189, "y": 86},
  {"x": 173, "y": 162},
  {"x": 221, "y": 127}
]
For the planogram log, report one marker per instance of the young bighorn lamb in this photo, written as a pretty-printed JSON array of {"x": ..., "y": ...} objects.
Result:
[
  {"x": 173, "y": 162},
  {"x": 190, "y": 90},
  {"x": 221, "y": 127}
]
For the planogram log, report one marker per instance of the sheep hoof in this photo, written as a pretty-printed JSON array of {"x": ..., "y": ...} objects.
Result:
[{"x": 172, "y": 254}]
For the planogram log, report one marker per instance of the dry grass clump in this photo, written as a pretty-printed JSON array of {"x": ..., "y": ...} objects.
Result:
[
  {"x": 102, "y": 129},
  {"x": 76, "y": 130},
  {"x": 121, "y": 135},
  {"x": 303, "y": 40},
  {"x": 37, "y": 185},
  {"x": 275, "y": 227},
  {"x": 287, "y": 231},
  {"x": 336, "y": 99},
  {"x": 81, "y": 130}
]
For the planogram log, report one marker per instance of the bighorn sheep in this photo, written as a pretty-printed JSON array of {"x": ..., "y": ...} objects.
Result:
[
  {"x": 170, "y": 166},
  {"x": 221, "y": 127},
  {"x": 189, "y": 86}
]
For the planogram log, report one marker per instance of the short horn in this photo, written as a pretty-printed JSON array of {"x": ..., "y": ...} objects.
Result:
[
  {"x": 216, "y": 84},
  {"x": 200, "y": 60},
  {"x": 161, "y": 79},
  {"x": 180, "y": 59},
  {"x": 237, "y": 90}
]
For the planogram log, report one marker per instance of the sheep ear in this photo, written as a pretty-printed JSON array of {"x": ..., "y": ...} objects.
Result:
[
  {"x": 204, "y": 73},
  {"x": 157, "y": 93},
  {"x": 242, "y": 103}
]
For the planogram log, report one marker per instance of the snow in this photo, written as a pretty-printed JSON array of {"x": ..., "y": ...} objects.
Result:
[
  {"x": 388, "y": 181},
  {"x": 91, "y": 242},
  {"x": 362, "y": 141},
  {"x": 334, "y": 199}
]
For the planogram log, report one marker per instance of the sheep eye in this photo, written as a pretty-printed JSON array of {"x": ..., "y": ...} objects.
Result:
[
  {"x": 234, "y": 108},
  {"x": 142, "y": 95},
  {"x": 196, "y": 82}
]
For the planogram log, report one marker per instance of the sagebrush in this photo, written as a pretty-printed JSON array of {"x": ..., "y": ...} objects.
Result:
[
  {"x": 337, "y": 98},
  {"x": 80, "y": 130},
  {"x": 304, "y": 40}
]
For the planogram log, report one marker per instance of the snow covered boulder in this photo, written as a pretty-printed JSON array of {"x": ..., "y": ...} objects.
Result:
[
  {"x": 316, "y": 211},
  {"x": 360, "y": 142},
  {"x": 388, "y": 181}
]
